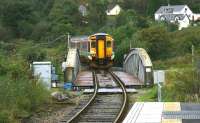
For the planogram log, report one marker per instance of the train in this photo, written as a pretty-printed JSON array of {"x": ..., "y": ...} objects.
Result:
[{"x": 101, "y": 54}]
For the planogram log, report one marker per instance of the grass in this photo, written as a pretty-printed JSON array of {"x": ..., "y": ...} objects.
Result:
[
  {"x": 148, "y": 95},
  {"x": 144, "y": 95}
]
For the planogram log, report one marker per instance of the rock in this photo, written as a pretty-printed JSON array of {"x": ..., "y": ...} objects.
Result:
[{"x": 59, "y": 96}]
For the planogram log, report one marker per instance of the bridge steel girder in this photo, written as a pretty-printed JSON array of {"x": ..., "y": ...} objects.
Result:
[{"x": 138, "y": 63}]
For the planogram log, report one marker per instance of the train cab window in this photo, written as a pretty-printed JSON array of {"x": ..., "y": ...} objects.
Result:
[
  {"x": 93, "y": 44},
  {"x": 108, "y": 44}
]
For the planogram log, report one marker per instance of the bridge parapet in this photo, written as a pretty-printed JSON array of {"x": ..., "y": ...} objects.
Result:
[
  {"x": 72, "y": 65},
  {"x": 138, "y": 63}
]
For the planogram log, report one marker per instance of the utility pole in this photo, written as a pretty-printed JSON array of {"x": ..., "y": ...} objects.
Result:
[
  {"x": 68, "y": 40},
  {"x": 193, "y": 55},
  {"x": 159, "y": 92},
  {"x": 168, "y": 2}
]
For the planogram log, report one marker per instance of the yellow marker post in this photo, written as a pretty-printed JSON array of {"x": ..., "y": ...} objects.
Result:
[
  {"x": 171, "y": 121},
  {"x": 172, "y": 106}
]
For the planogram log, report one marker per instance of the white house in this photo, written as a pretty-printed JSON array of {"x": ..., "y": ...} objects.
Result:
[
  {"x": 175, "y": 13},
  {"x": 183, "y": 23},
  {"x": 196, "y": 17},
  {"x": 113, "y": 10},
  {"x": 173, "y": 10}
]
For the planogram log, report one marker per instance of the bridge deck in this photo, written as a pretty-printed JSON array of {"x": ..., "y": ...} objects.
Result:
[
  {"x": 84, "y": 79},
  {"x": 128, "y": 79}
]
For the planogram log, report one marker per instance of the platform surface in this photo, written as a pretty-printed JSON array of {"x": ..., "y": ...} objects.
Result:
[{"x": 163, "y": 112}]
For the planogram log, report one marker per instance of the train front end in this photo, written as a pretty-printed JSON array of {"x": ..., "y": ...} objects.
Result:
[{"x": 101, "y": 50}]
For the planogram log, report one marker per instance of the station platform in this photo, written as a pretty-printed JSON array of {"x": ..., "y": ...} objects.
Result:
[
  {"x": 110, "y": 90},
  {"x": 84, "y": 79},
  {"x": 163, "y": 112}
]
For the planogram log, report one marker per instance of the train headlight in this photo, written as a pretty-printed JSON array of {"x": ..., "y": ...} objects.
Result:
[
  {"x": 113, "y": 56},
  {"x": 92, "y": 53},
  {"x": 90, "y": 57}
]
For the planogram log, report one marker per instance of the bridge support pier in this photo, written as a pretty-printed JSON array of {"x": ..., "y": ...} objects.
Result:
[{"x": 71, "y": 67}]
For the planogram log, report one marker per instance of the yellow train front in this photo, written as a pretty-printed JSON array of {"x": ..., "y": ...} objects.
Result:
[{"x": 101, "y": 50}]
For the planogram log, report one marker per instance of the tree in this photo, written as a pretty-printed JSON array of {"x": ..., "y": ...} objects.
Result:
[
  {"x": 17, "y": 15},
  {"x": 153, "y": 5},
  {"x": 156, "y": 41},
  {"x": 97, "y": 13},
  {"x": 64, "y": 17}
]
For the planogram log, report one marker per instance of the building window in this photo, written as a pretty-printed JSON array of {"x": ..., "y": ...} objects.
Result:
[{"x": 185, "y": 10}]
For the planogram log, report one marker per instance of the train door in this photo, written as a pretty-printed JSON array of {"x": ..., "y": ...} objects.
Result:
[{"x": 101, "y": 49}]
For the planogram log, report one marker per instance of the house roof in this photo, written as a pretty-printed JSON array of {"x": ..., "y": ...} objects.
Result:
[
  {"x": 111, "y": 6},
  {"x": 173, "y": 8}
]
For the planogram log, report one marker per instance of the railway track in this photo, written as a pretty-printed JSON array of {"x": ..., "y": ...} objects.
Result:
[{"x": 100, "y": 108}]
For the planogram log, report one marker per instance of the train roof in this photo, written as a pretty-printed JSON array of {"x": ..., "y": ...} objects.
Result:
[
  {"x": 77, "y": 39},
  {"x": 101, "y": 33}
]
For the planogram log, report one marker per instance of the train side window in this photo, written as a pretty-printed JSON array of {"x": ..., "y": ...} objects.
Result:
[
  {"x": 93, "y": 44},
  {"x": 108, "y": 44}
]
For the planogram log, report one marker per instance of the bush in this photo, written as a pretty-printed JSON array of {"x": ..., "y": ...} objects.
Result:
[
  {"x": 182, "y": 86},
  {"x": 4, "y": 117},
  {"x": 34, "y": 54},
  {"x": 20, "y": 94},
  {"x": 175, "y": 62}
]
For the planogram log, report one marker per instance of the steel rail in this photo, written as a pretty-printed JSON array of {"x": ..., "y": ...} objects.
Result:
[
  {"x": 119, "y": 117},
  {"x": 72, "y": 119}
]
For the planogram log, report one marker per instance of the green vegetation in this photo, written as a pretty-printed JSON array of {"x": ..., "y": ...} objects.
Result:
[
  {"x": 20, "y": 94},
  {"x": 149, "y": 94},
  {"x": 28, "y": 30},
  {"x": 182, "y": 86}
]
